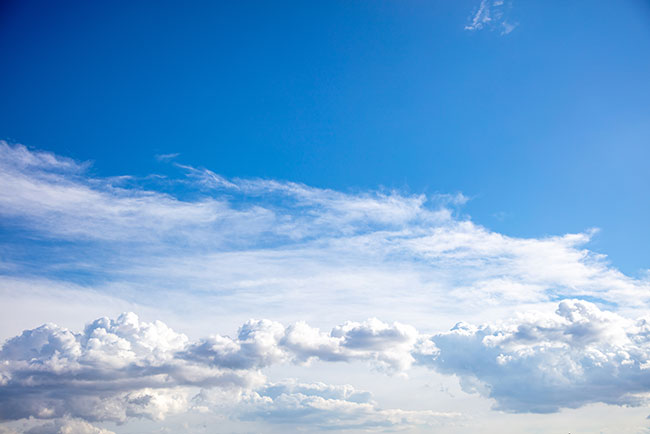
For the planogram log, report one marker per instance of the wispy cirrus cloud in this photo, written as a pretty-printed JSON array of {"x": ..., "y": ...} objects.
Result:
[
  {"x": 253, "y": 239},
  {"x": 167, "y": 157},
  {"x": 493, "y": 15}
]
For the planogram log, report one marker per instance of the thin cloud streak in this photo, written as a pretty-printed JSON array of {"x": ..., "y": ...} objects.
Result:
[{"x": 491, "y": 14}]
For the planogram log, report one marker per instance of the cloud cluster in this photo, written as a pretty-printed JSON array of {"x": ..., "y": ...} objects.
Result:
[
  {"x": 544, "y": 362},
  {"x": 116, "y": 369},
  {"x": 261, "y": 343}
]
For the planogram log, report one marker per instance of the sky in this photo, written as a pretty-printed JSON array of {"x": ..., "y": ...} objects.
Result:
[{"x": 371, "y": 216}]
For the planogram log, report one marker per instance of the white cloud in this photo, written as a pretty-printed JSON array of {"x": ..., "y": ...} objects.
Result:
[
  {"x": 543, "y": 362},
  {"x": 481, "y": 17},
  {"x": 252, "y": 246},
  {"x": 322, "y": 406},
  {"x": 125, "y": 368},
  {"x": 491, "y": 14},
  {"x": 253, "y": 243},
  {"x": 261, "y": 343},
  {"x": 208, "y": 252},
  {"x": 67, "y": 426},
  {"x": 167, "y": 157},
  {"x": 113, "y": 370},
  {"x": 19, "y": 157},
  {"x": 116, "y": 369}
]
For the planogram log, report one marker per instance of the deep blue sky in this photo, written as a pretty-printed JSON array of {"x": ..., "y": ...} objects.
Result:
[{"x": 546, "y": 128}]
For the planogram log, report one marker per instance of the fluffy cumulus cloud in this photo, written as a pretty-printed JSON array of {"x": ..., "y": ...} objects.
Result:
[
  {"x": 543, "y": 362},
  {"x": 116, "y": 369},
  {"x": 261, "y": 343},
  {"x": 113, "y": 370}
]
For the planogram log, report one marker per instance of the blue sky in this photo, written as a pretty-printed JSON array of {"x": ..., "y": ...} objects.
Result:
[
  {"x": 358, "y": 177},
  {"x": 545, "y": 128}
]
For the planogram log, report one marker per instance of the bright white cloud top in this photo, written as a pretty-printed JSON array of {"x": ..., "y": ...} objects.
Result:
[{"x": 526, "y": 325}]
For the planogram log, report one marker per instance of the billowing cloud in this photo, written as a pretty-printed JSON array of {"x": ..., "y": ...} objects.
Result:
[
  {"x": 543, "y": 362},
  {"x": 117, "y": 369},
  {"x": 113, "y": 370},
  {"x": 261, "y": 343}
]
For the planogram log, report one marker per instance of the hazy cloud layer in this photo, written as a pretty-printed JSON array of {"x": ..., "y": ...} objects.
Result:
[
  {"x": 332, "y": 407},
  {"x": 67, "y": 426},
  {"x": 257, "y": 243}
]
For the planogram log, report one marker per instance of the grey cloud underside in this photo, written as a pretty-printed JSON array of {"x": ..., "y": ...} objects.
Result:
[
  {"x": 104, "y": 373},
  {"x": 332, "y": 407},
  {"x": 542, "y": 363},
  {"x": 116, "y": 369},
  {"x": 67, "y": 426}
]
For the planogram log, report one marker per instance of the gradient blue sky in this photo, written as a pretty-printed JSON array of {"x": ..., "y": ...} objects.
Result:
[
  {"x": 546, "y": 129},
  {"x": 331, "y": 216}
]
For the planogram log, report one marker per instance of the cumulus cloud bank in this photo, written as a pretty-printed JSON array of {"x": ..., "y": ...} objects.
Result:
[{"x": 116, "y": 369}]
